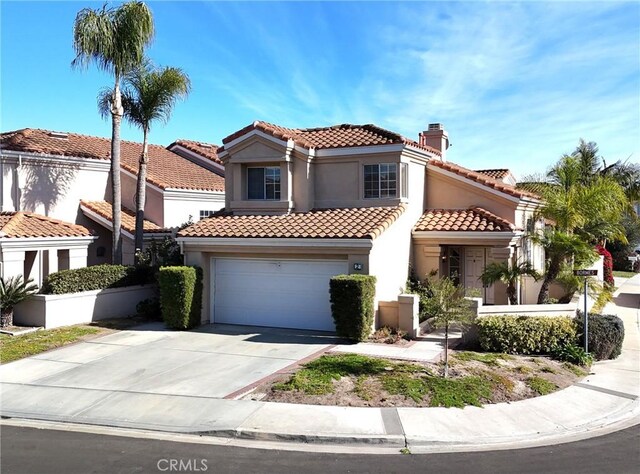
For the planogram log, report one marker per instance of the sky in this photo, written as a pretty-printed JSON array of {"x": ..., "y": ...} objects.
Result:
[{"x": 515, "y": 84}]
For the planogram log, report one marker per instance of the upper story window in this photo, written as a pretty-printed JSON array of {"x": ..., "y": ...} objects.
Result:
[
  {"x": 381, "y": 180},
  {"x": 206, "y": 213},
  {"x": 263, "y": 183}
]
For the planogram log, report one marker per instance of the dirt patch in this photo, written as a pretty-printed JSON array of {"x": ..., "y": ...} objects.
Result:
[{"x": 474, "y": 379}]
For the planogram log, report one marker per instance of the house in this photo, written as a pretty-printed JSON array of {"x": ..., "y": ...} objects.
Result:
[
  {"x": 34, "y": 246},
  {"x": 65, "y": 176},
  {"x": 303, "y": 205},
  {"x": 202, "y": 154}
]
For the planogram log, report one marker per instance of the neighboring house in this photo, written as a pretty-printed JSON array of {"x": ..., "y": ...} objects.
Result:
[
  {"x": 51, "y": 172},
  {"x": 501, "y": 174},
  {"x": 203, "y": 154},
  {"x": 34, "y": 246},
  {"x": 303, "y": 205}
]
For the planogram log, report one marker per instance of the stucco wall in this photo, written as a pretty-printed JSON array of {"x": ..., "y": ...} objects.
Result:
[
  {"x": 179, "y": 206},
  {"x": 52, "y": 189},
  {"x": 153, "y": 208}
]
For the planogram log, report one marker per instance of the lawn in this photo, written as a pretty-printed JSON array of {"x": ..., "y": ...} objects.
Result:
[
  {"x": 476, "y": 379},
  {"x": 623, "y": 274},
  {"x": 17, "y": 347}
]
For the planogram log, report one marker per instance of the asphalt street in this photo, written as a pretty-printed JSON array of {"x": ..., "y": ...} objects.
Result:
[{"x": 34, "y": 451}]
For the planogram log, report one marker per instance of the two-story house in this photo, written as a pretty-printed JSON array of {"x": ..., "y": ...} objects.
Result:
[
  {"x": 65, "y": 177},
  {"x": 303, "y": 205}
]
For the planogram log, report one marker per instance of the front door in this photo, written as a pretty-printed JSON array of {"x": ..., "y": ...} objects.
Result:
[{"x": 474, "y": 263}]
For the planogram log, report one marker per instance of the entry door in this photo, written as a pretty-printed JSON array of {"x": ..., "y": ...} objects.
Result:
[
  {"x": 277, "y": 293},
  {"x": 474, "y": 263}
]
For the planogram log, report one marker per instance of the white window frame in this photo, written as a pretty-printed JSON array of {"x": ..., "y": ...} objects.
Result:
[
  {"x": 380, "y": 181},
  {"x": 277, "y": 186},
  {"x": 204, "y": 213}
]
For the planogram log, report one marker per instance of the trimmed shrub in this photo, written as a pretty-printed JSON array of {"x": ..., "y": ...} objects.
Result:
[
  {"x": 180, "y": 296},
  {"x": 149, "y": 308},
  {"x": 97, "y": 277},
  {"x": 525, "y": 334},
  {"x": 606, "y": 333},
  {"x": 352, "y": 305}
]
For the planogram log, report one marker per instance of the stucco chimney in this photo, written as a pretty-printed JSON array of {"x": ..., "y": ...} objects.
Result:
[{"x": 435, "y": 137}]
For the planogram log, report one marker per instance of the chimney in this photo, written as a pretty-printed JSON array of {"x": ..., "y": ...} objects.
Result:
[{"x": 435, "y": 137}]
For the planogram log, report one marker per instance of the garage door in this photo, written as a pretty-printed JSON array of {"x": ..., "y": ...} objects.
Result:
[{"x": 277, "y": 293}]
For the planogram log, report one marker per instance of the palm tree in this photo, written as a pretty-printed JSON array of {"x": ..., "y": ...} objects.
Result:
[
  {"x": 12, "y": 292},
  {"x": 509, "y": 275},
  {"x": 149, "y": 94},
  {"x": 114, "y": 39}
]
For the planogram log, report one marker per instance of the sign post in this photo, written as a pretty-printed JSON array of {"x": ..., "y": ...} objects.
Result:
[{"x": 586, "y": 274}]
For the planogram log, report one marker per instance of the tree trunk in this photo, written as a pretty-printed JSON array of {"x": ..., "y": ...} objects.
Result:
[
  {"x": 511, "y": 293},
  {"x": 446, "y": 350},
  {"x": 116, "y": 198},
  {"x": 550, "y": 275},
  {"x": 141, "y": 194},
  {"x": 6, "y": 318}
]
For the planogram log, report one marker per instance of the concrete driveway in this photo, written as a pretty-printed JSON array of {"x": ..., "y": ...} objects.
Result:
[{"x": 125, "y": 374}]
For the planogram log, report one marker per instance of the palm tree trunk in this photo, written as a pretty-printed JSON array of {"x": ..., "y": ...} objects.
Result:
[
  {"x": 511, "y": 293},
  {"x": 141, "y": 193},
  {"x": 116, "y": 198},
  {"x": 550, "y": 275},
  {"x": 6, "y": 318}
]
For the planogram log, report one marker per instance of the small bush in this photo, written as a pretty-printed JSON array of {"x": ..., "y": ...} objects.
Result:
[
  {"x": 573, "y": 354},
  {"x": 541, "y": 386},
  {"x": 525, "y": 334},
  {"x": 352, "y": 305},
  {"x": 97, "y": 277},
  {"x": 149, "y": 308},
  {"x": 180, "y": 296},
  {"x": 606, "y": 333}
]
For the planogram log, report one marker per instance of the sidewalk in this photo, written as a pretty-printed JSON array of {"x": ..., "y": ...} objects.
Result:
[{"x": 608, "y": 399}]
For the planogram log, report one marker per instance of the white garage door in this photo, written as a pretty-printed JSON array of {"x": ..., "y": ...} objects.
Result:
[{"x": 277, "y": 293}]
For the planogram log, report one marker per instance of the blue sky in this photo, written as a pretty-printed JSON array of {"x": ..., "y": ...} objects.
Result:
[{"x": 515, "y": 84}]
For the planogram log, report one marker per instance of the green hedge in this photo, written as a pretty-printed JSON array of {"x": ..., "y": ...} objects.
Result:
[
  {"x": 352, "y": 305},
  {"x": 606, "y": 333},
  {"x": 97, "y": 277},
  {"x": 525, "y": 334},
  {"x": 180, "y": 296}
]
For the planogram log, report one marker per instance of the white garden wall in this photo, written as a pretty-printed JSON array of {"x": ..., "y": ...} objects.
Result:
[{"x": 52, "y": 311}]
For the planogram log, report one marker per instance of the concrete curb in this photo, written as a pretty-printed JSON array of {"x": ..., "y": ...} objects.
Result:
[{"x": 398, "y": 441}]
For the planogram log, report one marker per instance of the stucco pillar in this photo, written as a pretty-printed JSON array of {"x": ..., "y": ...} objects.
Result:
[
  {"x": 12, "y": 263},
  {"x": 78, "y": 257},
  {"x": 431, "y": 260},
  {"x": 409, "y": 314},
  {"x": 502, "y": 254},
  {"x": 52, "y": 261}
]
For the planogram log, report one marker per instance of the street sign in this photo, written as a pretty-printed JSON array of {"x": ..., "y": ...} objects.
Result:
[{"x": 585, "y": 273}]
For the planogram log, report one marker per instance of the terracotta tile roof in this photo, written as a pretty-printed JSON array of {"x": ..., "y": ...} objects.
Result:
[
  {"x": 208, "y": 150},
  {"x": 166, "y": 169},
  {"x": 337, "y": 136},
  {"x": 497, "y": 173},
  {"x": 103, "y": 209},
  {"x": 352, "y": 223},
  {"x": 28, "y": 224},
  {"x": 483, "y": 179},
  {"x": 475, "y": 219}
]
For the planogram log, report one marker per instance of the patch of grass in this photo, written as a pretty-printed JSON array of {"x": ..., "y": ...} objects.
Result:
[
  {"x": 405, "y": 451},
  {"x": 499, "y": 381},
  {"x": 540, "y": 385},
  {"x": 316, "y": 377},
  {"x": 576, "y": 369},
  {"x": 406, "y": 385},
  {"x": 458, "y": 393},
  {"x": 489, "y": 358},
  {"x": 523, "y": 369},
  {"x": 623, "y": 274},
  {"x": 17, "y": 347},
  {"x": 361, "y": 388},
  {"x": 548, "y": 370}
]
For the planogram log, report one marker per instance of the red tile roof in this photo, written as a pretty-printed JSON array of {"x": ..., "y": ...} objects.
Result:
[
  {"x": 472, "y": 220},
  {"x": 360, "y": 223},
  {"x": 337, "y": 136},
  {"x": 208, "y": 150},
  {"x": 28, "y": 224},
  {"x": 497, "y": 173},
  {"x": 103, "y": 209},
  {"x": 483, "y": 179},
  {"x": 166, "y": 169}
]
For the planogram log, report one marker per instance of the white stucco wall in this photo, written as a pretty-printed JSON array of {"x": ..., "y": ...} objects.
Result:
[
  {"x": 52, "y": 187},
  {"x": 178, "y": 205}
]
